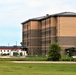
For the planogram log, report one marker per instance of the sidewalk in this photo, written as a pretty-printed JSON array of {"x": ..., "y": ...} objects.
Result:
[{"x": 60, "y": 62}]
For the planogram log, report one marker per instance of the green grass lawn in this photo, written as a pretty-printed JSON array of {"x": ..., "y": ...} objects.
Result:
[
  {"x": 28, "y": 58},
  {"x": 8, "y": 68}
]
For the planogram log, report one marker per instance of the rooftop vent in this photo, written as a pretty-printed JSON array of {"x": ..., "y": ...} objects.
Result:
[{"x": 47, "y": 14}]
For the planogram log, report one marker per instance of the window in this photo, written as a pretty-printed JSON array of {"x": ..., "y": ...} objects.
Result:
[
  {"x": 27, "y": 35},
  {"x": 43, "y": 22},
  {"x": 27, "y": 26},
  {"x": 47, "y": 21},
  {"x": 47, "y": 33},
  {"x": 39, "y": 26},
  {"x": 27, "y": 43}
]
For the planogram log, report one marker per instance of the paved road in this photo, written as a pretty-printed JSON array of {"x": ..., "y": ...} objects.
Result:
[{"x": 65, "y": 62}]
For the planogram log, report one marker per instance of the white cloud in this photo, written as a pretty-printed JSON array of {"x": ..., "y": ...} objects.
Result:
[
  {"x": 57, "y": 6},
  {"x": 13, "y": 12},
  {"x": 36, "y": 3},
  {"x": 9, "y": 1}
]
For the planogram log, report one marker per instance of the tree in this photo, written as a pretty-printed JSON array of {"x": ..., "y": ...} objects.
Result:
[
  {"x": 15, "y": 54},
  {"x": 21, "y": 43},
  {"x": 54, "y": 52},
  {"x": 71, "y": 50},
  {"x": 21, "y": 54}
]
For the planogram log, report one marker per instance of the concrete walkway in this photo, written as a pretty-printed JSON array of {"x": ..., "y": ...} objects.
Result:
[{"x": 60, "y": 62}]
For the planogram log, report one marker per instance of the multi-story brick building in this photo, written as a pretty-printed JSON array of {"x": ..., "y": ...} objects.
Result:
[{"x": 38, "y": 33}]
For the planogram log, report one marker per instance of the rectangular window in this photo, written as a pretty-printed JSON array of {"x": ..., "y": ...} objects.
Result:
[
  {"x": 27, "y": 26},
  {"x": 27, "y": 35},
  {"x": 47, "y": 21},
  {"x": 27, "y": 43}
]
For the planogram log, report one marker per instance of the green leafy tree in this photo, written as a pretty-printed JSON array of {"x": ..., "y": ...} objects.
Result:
[
  {"x": 15, "y": 54},
  {"x": 21, "y": 43},
  {"x": 21, "y": 54},
  {"x": 71, "y": 50},
  {"x": 54, "y": 52}
]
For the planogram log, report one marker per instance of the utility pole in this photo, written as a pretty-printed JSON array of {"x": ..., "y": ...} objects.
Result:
[
  {"x": 16, "y": 43},
  {"x": 8, "y": 44}
]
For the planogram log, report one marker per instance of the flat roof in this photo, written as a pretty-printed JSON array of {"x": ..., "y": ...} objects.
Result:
[
  {"x": 9, "y": 47},
  {"x": 53, "y": 15}
]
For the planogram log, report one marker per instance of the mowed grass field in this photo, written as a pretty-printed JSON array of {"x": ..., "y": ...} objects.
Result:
[{"x": 9, "y": 68}]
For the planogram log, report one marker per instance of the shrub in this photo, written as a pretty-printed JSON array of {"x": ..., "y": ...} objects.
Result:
[
  {"x": 15, "y": 54},
  {"x": 28, "y": 58},
  {"x": 21, "y": 54},
  {"x": 66, "y": 58},
  {"x": 54, "y": 52}
]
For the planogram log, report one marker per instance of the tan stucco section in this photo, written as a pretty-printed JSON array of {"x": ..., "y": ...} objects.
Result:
[
  {"x": 67, "y": 31},
  {"x": 48, "y": 22},
  {"x": 34, "y": 24},
  {"x": 68, "y": 46},
  {"x": 29, "y": 25},
  {"x": 67, "y": 26},
  {"x": 43, "y": 24},
  {"x": 53, "y": 21},
  {"x": 58, "y": 27},
  {"x": 26, "y": 26}
]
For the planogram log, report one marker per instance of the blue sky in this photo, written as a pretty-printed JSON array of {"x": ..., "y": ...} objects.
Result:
[{"x": 13, "y": 12}]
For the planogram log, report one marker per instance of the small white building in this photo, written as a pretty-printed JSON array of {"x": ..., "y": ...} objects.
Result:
[{"x": 12, "y": 51}]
